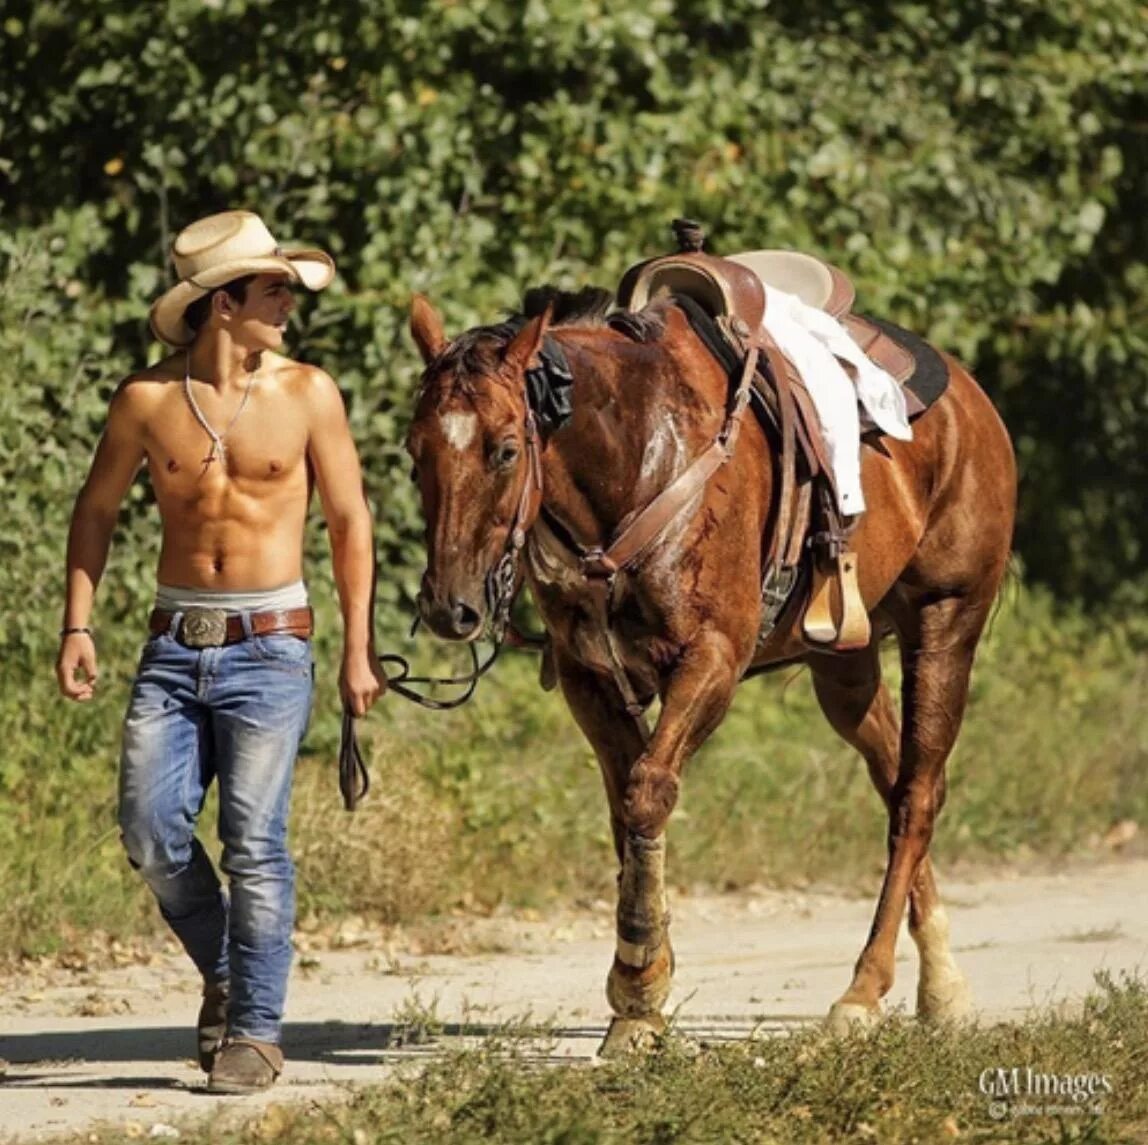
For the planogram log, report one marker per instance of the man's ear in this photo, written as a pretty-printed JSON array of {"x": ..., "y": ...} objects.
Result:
[
  {"x": 527, "y": 342},
  {"x": 426, "y": 329},
  {"x": 222, "y": 304}
]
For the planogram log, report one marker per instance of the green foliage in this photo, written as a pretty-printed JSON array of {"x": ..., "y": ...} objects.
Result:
[
  {"x": 978, "y": 167},
  {"x": 55, "y": 351}
]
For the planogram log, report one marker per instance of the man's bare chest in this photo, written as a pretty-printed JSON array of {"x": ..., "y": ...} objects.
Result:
[{"x": 266, "y": 443}]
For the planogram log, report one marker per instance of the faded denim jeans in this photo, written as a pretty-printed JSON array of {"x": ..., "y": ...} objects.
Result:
[{"x": 236, "y": 714}]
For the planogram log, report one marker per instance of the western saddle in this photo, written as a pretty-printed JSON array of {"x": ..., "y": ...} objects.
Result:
[{"x": 730, "y": 291}]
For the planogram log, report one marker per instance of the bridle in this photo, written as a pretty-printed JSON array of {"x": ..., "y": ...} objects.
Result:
[
  {"x": 502, "y": 582},
  {"x": 501, "y": 588}
]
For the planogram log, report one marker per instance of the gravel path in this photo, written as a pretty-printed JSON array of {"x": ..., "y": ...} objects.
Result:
[{"x": 114, "y": 1046}]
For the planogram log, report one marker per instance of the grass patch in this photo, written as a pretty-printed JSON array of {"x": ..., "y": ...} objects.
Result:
[
  {"x": 500, "y": 803},
  {"x": 901, "y": 1083}
]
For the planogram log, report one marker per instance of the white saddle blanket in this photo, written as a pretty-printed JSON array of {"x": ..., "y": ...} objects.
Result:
[{"x": 816, "y": 344}]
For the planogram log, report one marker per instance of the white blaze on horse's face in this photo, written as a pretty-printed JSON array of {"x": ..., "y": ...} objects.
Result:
[{"x": 458, "y": 429}]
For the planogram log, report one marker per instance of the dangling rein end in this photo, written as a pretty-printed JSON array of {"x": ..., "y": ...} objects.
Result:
[{"x": 354, "y": 779}]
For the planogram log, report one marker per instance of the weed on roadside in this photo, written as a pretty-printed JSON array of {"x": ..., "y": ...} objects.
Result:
[{"x": 899, "y": 1083}]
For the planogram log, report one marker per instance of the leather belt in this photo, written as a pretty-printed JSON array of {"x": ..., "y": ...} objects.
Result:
[{"x": 212, "y": 627}]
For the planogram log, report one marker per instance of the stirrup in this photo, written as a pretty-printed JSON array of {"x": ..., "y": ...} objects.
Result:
[{"x": 819, "y": 626}]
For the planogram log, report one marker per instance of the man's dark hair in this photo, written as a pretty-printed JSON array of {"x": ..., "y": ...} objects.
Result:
[{"x": 199, "y": 311}]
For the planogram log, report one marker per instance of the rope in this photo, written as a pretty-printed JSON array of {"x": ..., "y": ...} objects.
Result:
[{"x": 218, "y": 446}]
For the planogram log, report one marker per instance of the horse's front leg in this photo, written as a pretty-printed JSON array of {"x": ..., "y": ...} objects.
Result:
[
  {"x": 694, "y": 702},
  {"x": 618, "y": 740}
]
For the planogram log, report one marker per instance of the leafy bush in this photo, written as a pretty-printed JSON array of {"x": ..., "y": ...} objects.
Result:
[{"x": 978, "y": 167}]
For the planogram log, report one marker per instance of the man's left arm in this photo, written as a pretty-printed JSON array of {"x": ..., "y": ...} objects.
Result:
[{"x": 335, "y": 462}]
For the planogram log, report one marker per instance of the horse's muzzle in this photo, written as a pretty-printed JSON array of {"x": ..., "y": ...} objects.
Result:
[{"x": 449, "y": 619}]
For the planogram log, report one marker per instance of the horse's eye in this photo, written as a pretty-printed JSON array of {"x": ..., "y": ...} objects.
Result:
[{"x": 506, "y": 455}]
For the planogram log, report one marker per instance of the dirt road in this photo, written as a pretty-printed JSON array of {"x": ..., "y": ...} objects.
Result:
[{"x": 114, "y": 1046}]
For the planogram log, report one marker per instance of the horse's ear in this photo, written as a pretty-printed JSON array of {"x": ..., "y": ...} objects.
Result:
[
  {"x": 527, "y": 342},
  {"x": 426, "y": 329}
]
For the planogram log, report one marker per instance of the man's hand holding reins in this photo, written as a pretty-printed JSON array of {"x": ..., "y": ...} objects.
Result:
[
  {"x": 76, "y": 670},
  {"x": 361, "y": 682}
]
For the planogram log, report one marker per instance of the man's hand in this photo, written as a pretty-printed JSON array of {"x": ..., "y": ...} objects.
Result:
[
  {"x": 361, "y": 682},
  {"x": 76, "y": 670}
]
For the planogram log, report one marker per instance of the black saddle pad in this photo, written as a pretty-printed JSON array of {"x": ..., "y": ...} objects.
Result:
[{"x": 928, "y": 381}]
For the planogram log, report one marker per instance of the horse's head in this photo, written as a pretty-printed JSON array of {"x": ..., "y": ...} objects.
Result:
[{"x": 475, "y": 452}]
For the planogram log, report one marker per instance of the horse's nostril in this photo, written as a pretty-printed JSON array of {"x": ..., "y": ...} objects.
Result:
[{"x": 466, "y": 619}]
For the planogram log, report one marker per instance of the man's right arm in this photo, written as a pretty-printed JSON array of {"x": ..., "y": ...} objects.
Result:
[{"x": 118, "y": 457}]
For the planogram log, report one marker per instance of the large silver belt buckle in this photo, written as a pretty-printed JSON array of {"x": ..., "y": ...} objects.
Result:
[{"x": 204, "y": 628}]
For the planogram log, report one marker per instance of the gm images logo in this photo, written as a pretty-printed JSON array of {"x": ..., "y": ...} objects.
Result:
[{"x": 1022, "y": 1090}]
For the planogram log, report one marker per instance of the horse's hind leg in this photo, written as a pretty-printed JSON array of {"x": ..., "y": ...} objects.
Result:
[
  {"x": 644, "y": 956},
  {"x": 858, "y": 705},
  {"x": 937, "y": 648},
  {"x": 943, "y": 993}
]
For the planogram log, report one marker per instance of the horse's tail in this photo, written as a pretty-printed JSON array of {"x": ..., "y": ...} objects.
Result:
[{"x": 1011, "y": 584}]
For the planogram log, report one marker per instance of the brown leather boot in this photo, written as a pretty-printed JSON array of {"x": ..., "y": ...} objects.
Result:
[
  {"x": 245, "y": 1065},
  {"x": 211, "y": 1025}
]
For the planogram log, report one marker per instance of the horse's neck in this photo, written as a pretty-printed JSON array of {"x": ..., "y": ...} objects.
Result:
[{"x": 623, "y": 442}]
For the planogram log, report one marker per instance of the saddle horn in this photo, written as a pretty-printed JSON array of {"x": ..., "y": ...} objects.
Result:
[{"x": 691, "y": 236}]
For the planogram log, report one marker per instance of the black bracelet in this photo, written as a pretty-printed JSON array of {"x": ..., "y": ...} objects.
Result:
[{"x": 73, "y": 631}]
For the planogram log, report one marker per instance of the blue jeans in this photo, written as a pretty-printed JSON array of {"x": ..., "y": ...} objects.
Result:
[{"x": 235, "y": 713}]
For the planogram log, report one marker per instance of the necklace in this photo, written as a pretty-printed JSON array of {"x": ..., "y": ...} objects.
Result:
[{"x": 218, "y": 451}]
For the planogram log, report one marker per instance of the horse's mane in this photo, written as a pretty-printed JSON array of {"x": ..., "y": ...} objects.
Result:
[
  {"x": 591, "y": 306},
  {"x": 477, "y": 351}
]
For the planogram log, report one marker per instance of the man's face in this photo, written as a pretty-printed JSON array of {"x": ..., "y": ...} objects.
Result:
[{"x": 260, "y": 320}]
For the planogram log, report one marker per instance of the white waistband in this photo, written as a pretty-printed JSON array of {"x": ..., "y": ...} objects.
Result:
[{"x": 170, "y": 599}]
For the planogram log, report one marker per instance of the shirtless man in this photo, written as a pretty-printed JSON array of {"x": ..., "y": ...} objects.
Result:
[{"x": 233, "y": 435}]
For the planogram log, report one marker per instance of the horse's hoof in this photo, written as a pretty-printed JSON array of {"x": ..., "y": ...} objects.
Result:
[
  {"x": 632, "y": 1036},
  {"x": 848, "y": 1017},
  {"x": 947, "y": 1000}
]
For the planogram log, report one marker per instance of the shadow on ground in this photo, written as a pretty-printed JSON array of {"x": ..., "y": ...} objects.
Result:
[{"x": 326, "y": 1043}]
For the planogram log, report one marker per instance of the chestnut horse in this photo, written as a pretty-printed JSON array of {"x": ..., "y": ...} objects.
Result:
[{"x": 647, "y": 398}]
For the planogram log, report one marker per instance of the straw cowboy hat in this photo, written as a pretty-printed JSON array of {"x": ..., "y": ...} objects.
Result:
[{"x": 213, "y": 251}]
